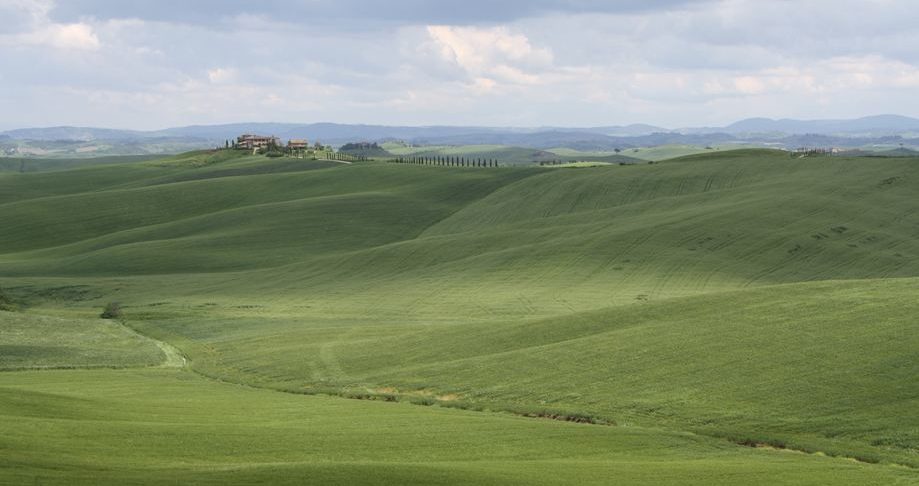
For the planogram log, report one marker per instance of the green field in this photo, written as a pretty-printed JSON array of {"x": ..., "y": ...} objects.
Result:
[
  {"x": 26, "y": 164},
  {"x": 506, "y": 155},
  {"x": 721, "y": 318},
  {"x": 656, "y": 153}
]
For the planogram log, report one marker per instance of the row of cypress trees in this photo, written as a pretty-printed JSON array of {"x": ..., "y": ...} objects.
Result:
[
  {"x": 447, "y": 161},
  {"x": 345, "y": 157}
]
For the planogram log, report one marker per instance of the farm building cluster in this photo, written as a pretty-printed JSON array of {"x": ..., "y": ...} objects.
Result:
[{"x": 255, "y": 142}]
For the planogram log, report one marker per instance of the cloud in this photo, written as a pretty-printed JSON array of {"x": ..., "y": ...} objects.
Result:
[
  {"x": 27, "y": 24},
  {"x": 221, "y": 75},
  {"x": 475, "y": 48},
  {"x": 149, "y": 63},
  {"x": 491, "y": 56},
  {"x": 749, "y": 85},
  {"x": 351, "y": 12},
  {"x": 61, "y": 36}
]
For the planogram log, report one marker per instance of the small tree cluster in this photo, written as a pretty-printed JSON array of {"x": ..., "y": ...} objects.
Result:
[
  {"x": 112, "y": 310},
  {"x": 6, "y": 302}
]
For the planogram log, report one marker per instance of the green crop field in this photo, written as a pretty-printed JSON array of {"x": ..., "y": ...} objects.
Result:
[
  {"x": 728, "y": 317},
  {"x": 656, "y": 153},
  {"x": 506, "y": 155}
]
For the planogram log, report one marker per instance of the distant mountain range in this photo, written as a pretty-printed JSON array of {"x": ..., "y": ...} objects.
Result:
[
  {"x": 881, "y": 129},
  {"x": 879, "y": 125},
  {"x": 327, "y": 132}
]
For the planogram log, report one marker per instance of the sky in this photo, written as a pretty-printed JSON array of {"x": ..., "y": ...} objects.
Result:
[{"x": 149, "y": 64}]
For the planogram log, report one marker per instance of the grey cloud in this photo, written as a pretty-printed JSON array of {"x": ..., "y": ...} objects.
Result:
[
  {"x": 661, "y": 62},
  {"x": 348, "y": 12}
]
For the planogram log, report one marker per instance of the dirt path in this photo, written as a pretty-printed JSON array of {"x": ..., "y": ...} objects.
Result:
[{"x": 174, "y": 358}]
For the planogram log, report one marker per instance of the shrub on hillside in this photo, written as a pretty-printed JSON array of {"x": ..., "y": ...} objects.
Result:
[
  {"x": 6, "y": 302},
  {"x": 112, "y": 311}
]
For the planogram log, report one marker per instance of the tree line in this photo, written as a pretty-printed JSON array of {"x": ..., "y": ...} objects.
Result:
[
  {"x": 447, "y": 161},
  {"x": 345, "y": 157},
  {"x": 811, "y": 152}
]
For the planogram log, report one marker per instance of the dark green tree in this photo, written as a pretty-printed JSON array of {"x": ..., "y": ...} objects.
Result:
[
  {"x": 6, "y": 302},
  {"x": 112, "y": 310}
]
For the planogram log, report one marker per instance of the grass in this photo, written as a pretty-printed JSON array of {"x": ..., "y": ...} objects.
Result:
[
  {"x": 665, "y": 152},
  {"x": 31, "y": 341},
  {"x": 656, "y": 153},
  {"x": 504, "y": 154},
  {"x": 577, "y": 165},
  {"x": 29, "y": 164},
  {"x": 735, "y": 297},
  {"x": 159, "y": 427}
]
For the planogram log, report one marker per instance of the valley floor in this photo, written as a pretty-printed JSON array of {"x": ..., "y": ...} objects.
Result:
[{"x": 164, "y": 427}]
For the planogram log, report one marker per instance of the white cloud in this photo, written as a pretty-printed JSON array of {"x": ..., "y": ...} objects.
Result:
[
  {"x": 493, "y": 53},
  {"x": 32, "y": 27},
  {"x": 483, "y": 85},
  {"x": 749, "y": 85},
  {"x": 222, "y": 75},
  {"x": 681, "y": 63},
  {"x": 61, "y": 36}
]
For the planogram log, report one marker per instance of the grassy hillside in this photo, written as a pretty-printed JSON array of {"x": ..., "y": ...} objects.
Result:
[
  {"x": 661, "y": 152},
  {"x": 826, "y": 367},
  {"x": 45, "y": 342},
  {"x": 164, "y": 427},
  {"x": 31, "y": 164},
  {"x": 745, "y": 296},
  {"x": 505, "y": 155}
]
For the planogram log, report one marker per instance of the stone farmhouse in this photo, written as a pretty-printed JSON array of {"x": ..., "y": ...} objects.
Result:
[{"x": 249, "y": 141}]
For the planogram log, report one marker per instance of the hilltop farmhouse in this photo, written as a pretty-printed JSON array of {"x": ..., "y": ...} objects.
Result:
[
  {"x": 298, "y": 144},
  {"x": 249, "y": 141}
]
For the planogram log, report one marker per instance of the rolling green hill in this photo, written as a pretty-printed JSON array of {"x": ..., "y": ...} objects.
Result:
[
  {"x": 168, "y": 427},
  {"x": 506, "y": 155},
  {"x": 46, "y": 342},
  {"x": 737, "y": 297},
  {"x": 656, "y": 153},
  {"x": 29, "y": 164}
]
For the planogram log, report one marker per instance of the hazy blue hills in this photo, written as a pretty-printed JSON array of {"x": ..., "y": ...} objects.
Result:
[
  {"x": 889, "y": 131},
  {"x": 870, "y": 125}
]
